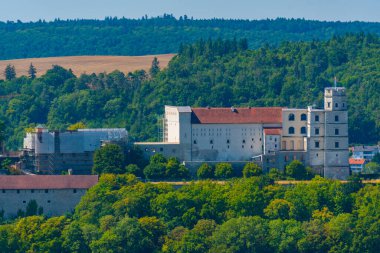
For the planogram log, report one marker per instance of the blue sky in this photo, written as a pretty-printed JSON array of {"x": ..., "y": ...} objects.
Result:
[{"x": 343, "y": 10}]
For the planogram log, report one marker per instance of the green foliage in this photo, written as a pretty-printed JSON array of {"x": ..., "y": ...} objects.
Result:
[
  {"x": 205, "y": 171},
  {"x": 158, "y": 35},
  {"x": 10, "y": 72},
  {"x": 122, "y": 214},
  {"x": 223, "y": 170},
  {"x": 376, "y": 158},
  {"x": 371, "y": 168},
  {"x": 251, "y": 170},
  {"x": 76, "y": 126},
  {"x": 278, "y": 209},
  {"x": 155, "y": 68},
  {"x": 109, "y": 159},
  {"x": 296, "y": 170},
  {"x": 133, "y": 169},
  {"x": 32, "y": 71},
  {"x": 161, "y": 168}
]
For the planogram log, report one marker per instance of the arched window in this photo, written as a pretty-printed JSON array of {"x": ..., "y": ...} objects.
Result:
[
  {"x": 291, "y": 117},
  {"x": 303, "y": 117},
  {"x": 291, "y": 130},
  {"x": 303, "y": 130}
]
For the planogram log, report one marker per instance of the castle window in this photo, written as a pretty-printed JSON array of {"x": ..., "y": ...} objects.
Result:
[
  {"x": 228, "y": 141},
  {"x": 336, "y": 105},
  {"x": 3, "y": 191},
  {"x": 291, "y": 130},
  {"x": 343, "y": 105},
  {"x": 291, "y": 117},
  {"x": 336, "y": 118},
  {"x": 275, "y": 145},
  {"x": 48, "y": 201},
  {"x": 32, "y": 191},
  {"x": 328, "y": 104},
  {"x": 243, "y": 141},
  {"x": 211, "y": 142},
  {"x": 74, "y": 190},
  {"x": 303, "y": 130},
  {"x": 303, "y": 117},
  {"x": 336, "y": 131},
  {"x": 242, "y": 146},
  {"x": 316, "y": 131},
  {"x": 195, "y": 141},
  {"x": 317, "y": 144},
  {"x": 161, "y": 149},
  {"x": 18, "y": 191},
  {"x": 336, "y": 144},
  {"x": 24, "y": 201},
  {"x": 46, "y": 191},
  {"x": 228, "y": 146},
  {"x": 316, "y": 118}
]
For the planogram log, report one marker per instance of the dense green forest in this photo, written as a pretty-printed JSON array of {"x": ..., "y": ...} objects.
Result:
[
  {"x": 207, "y": 73},
  {"x": 122, "y": 214},
  {"x": 158, "y": 35}
]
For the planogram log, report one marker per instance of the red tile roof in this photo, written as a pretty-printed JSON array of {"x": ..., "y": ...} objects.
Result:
[
  {"x": 272, "y": 131},
  {"x": 237, "y": 116},
  {"x": 354, "y": 161},
  {"x": 47, "y": 182}
]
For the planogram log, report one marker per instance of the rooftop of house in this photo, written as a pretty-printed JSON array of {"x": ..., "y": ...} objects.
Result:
[
  {"x": 247, "y": 115},
  {"x": 272, "y": 131},
  {"x": 36, "y": 182},
  {"x": 354, "y": 161}
]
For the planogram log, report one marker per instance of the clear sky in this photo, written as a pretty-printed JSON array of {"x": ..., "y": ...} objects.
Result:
[{"x": 343, "y": 10}]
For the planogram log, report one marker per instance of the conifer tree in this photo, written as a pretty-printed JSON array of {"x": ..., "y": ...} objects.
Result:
[
  {"x": 10, "y": 72},
  {"x": 32, "y": 71},
  {"x": 155, "y": 68}
]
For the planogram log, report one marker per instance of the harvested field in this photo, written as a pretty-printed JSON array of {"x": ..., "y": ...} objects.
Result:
[{"x": 86, "y": 64}]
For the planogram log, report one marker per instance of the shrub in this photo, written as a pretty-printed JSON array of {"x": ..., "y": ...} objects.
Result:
[
  {"x": 223, "y": 170},
  {"x": 296, "y": 170},
  {"x": 205, "y": 171},
  {"x": 251, "y": 170}
]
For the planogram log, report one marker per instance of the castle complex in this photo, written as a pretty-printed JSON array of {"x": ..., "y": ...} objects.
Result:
[{"x": 270, "y": 136}]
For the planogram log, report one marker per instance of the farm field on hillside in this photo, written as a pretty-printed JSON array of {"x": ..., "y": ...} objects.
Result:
[{"x": 86, "y": 64}]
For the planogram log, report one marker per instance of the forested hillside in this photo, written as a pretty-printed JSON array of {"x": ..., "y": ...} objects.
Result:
[
  {"x": 207, "y": 73},
  {"x": 121, "y": 214},
  {"x": 159, "y": 35}
]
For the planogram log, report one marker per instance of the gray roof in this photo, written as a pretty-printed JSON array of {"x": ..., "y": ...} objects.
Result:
[
  {"x": 365, "y": 148},
  {"x": 184, "y": 108}
]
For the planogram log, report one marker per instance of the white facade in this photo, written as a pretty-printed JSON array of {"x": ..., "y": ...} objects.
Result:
[
  {"x": 318, "y": 137},
  {"x": 43, "y": 141}
]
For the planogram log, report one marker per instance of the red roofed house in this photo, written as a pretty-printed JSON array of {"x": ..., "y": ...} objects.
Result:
[
  {"x": 271, "y": 136},
  {"x": 54, "y": 194},
  {"x": 357, "y": 164}
]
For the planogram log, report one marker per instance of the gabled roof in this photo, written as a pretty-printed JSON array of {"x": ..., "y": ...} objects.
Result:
[
  {"x": 354, "y": 161},
  {"x": 272, "y": 131},
  {"x": 27, "y": 182},
  {"x": 254, "y": 115}
]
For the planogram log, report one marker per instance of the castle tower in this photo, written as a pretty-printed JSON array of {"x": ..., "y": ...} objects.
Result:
[{"x": 336, "y": 134}]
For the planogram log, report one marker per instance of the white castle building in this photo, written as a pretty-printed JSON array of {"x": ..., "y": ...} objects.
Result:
[
  {"x": 53, "y": 152},
  {"x": 271, "y": 136}
]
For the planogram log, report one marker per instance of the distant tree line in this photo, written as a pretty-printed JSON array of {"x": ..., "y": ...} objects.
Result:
[{"x": 157, "y": 35}]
